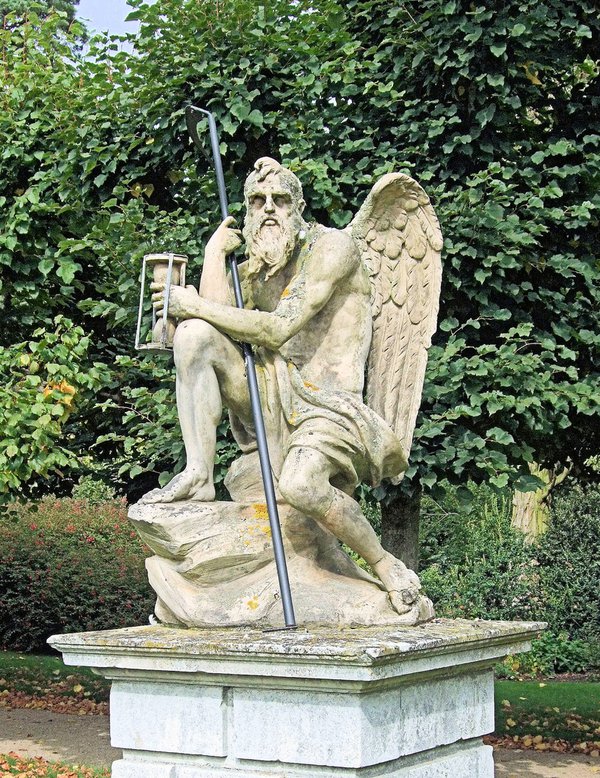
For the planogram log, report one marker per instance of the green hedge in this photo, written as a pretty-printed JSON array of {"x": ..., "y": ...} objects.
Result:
[
  {"x": 475, "y": 565},
  {"x": 569, "y": 557},
  {"x": 69, "y": 565}
]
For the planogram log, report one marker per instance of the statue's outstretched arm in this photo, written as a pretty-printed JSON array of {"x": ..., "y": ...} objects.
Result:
[{"x": 332, "y": 259}]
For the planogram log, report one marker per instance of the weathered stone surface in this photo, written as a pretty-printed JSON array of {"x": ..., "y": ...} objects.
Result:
[
  {"x": 214, "y": 565},
  {"x": 323, "y": 307},
  {"x": 313, "y": 651},
  {"x": 196, "y": 722},
  {"x": 403, "y": 702}
]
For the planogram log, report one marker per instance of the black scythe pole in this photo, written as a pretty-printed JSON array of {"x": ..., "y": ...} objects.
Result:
[{"x": 192, "y": 119}]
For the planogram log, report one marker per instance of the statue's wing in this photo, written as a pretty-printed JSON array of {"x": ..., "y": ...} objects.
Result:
[{"x": 400, "y": 240}]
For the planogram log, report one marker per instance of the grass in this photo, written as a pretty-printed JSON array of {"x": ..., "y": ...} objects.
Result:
[
  {"x": 14, "y": 765},
  {"x": 39, "y": 675},
  {"x": 562, "y": 710}
]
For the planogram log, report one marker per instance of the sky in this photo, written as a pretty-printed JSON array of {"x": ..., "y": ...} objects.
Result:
[{"x": 108, "y": 15}]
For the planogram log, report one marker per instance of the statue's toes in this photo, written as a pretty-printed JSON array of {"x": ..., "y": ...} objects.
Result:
[
  {"x": 420, "y": 611},
  {"x": 203, "y": 492},
  {"x": 398, "y": 603},
  {"x": 410, "y": 594}
]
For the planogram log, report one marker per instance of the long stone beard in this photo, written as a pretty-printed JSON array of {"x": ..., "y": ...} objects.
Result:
[{"x": 270, "y": 247}]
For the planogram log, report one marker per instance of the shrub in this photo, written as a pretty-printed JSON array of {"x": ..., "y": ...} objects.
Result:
[
  {"x": 68, "y": 566},
  {"x": 475, "y": 565},
  {"x": 93, "y": 490},
  {"x": 570, "y": 563},
  {"x": 552, "y": 653}
]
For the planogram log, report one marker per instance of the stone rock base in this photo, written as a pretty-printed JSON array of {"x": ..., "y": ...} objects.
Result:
[
  {"x": 407, "y": 702},
  {"x": 214, "y": 565}
]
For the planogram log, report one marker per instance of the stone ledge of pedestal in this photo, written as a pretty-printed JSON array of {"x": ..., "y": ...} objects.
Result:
[
  {"x": 321, "y": 653},
  {"x": 470, "y": 759}
]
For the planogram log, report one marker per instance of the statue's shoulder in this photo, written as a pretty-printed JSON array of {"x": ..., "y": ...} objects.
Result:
[{"x": 335, "y": 245}]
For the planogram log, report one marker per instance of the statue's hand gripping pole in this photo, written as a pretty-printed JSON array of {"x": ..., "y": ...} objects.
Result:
[{"x": 192, "y": 119}]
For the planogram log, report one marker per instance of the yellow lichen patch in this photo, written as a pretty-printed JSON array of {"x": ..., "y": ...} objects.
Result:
[
  {"x": 253, "y": 603},
  {"x": 286, "y": 292},
  {"x": 257, "y": 529},
  {"x": 308, "y": 385},
  {"x": 260, "y": 510}
]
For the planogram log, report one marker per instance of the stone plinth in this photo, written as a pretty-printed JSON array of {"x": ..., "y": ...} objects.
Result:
[{"x": 407, "y": 702}]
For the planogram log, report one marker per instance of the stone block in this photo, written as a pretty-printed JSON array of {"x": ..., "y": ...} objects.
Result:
[
  {"x": 354, "y": 730},
  {"x": 195, "y": 723},
  {"x": 324, "y": 702}
]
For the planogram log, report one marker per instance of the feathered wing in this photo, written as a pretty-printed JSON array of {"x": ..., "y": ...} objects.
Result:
[{"x": 399, "y": 237}]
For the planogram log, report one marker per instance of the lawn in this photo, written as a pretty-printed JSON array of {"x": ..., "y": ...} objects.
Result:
[
  {"x": 32, "y": 681},
  {"x": 14, "y": 765},
  {"x": 567, "y": 711}
]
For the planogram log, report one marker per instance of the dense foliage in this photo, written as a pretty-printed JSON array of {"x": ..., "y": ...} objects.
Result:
[
  {"x": 570, "y": 565},
  {"x": 69, "y": 566},
  {"x": 40, "y": 6},
  {"x": 44, "y": 380},
  {"x": 489, "y": 106},
  {"x": 475, "y": 565}
]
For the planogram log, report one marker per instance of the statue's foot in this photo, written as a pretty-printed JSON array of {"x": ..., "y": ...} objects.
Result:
[
  {"x": 404, "y": 590},
  {"x": 191, "y": 484},
  {"x": 421, "y": 611}
]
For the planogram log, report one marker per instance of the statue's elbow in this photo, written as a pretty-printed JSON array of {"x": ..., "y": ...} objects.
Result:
[
  {"x": 273, "y": 343},
  {"x": 275, "y": 336}
]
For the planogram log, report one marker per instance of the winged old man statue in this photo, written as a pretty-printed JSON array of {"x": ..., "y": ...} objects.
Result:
[{"x": 324, "y": 308}]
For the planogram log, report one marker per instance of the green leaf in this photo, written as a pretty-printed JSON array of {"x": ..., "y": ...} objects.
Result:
[
  {"x": 528, "y": 483},
  {"x": 45, "y": 266},
  {"x": 500, "y": 436},
  {"x": 449, "y": 324},
  {"x": 67, "y": 270},
  {"x": 495, "y": 79}
]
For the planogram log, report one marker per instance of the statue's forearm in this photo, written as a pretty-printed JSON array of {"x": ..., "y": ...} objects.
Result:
[
  {"x": 256, "y": 327},
  {"x": 213, "y": 283}
]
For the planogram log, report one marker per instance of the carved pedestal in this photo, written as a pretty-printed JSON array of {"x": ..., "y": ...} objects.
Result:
[{"x": 407, "y": 702}]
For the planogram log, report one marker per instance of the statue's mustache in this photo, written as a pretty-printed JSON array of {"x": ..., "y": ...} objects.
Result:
[
  {"x": 255, "y": 227},
  {"x": 270, "y": 220}
]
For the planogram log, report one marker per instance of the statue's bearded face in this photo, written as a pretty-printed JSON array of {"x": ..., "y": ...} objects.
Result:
[{"x": 272, "y": 225}]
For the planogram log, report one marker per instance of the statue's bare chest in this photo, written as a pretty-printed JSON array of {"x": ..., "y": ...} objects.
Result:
[{"x": 267, "y": 295}]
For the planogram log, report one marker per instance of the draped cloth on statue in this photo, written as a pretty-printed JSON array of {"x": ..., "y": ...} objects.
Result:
[{"x": 336, "y": 423}]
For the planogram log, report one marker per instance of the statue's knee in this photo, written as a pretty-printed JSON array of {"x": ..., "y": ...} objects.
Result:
[
  {"x": 299, "y": 491},
  {"x": 293, "y": 491},
  {"x": 193, "y": 337}
]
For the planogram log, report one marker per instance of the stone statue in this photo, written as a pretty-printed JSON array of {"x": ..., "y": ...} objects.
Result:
[{"x": 321, "y": 306}]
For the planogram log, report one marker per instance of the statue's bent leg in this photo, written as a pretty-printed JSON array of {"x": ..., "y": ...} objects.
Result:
[
  {"x": 210, "y": 372},
  {"x": 305, "y": 484}
]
